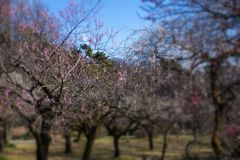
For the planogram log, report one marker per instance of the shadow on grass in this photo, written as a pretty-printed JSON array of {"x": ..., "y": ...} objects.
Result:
[
  {"x": 199, "y": 158},
  {"x": 208, "y": 158},
  {"x": 3, "y": 158}
]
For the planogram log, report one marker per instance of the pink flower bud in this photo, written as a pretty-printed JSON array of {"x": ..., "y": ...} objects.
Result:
[{"x": 46, "y": 54}]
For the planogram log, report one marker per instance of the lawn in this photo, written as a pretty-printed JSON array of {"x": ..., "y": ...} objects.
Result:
[{"x": 131, "y": 148}]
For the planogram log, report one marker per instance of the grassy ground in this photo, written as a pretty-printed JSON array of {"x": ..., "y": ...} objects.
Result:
[{"x": 131, "y": 149}]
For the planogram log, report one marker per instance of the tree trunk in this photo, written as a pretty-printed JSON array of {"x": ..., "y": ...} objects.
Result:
[
  {"x": 192, "y": 142},
  {"x": 1, "y": 141},
  {"x": 219, "y": 147},
  {"x": 150, "y": 140},
  {"x": 149, "y": 131},
  {"x": 89, "y": 144},
  {"x": 68, "y": 144},
  {"x": 6, "y": 132},
  {"x": 43, "y": 141},
  {"x": 116, "y": 146},
  {"x": 164, "y": 146},
  {"x": 79, "y": 132}
]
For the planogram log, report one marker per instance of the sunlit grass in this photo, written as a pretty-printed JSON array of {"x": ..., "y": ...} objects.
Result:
[{"x": 131, "y": 148}]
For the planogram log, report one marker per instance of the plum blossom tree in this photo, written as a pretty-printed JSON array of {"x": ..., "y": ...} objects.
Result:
[
  {"x": 196, "y": 106},
  {"x": 40, "y": 70},
  {"x": 117, "y": 125},
  {"x": 96, "y": 100},
  {"x": 205, "y": 33},
  {"x": 152, "y": 95},
  {"x": 86, "y": 103}
]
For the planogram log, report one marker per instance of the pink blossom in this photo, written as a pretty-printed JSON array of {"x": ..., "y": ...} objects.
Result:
[
  {"x": 90, "y": 41},
  {"x": 122, "y": 76},
  {"x": 52, "y": 25},
  {"x": 44, "y": 14},
  {"x": 61, "y": 75},
  {"x": 55, "y": 36},
  {"x": 35, "y": 29},
  {"x": 22, "y": 26},
  {"x": 46, "y": 54},
  {"x": 5, "y": 98},
  {"x": 196, "y": 100},
  {"x": 232, "y": 130},
  {"x": 92, "y": 61}
]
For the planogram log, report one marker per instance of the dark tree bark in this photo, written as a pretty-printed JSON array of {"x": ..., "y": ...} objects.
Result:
[
  {"x": 219, "y": 147},
  {"x": 116, "y": 146},
  {"x": 150, "y": 140},
  {"x": 90, "y": 135},
  {"x": 1, "y": 141},
  {"x": 189, "y": 146},
  {"x": 1, "y": 136},
  {"x": 6, "y": 132},
  {"x": 43, "y": 140},
  {"x": 79, "y": 132},
  {"x": 116, "y": 134},
  {"x": 43, "y": 135},
  {"x": 149, "y": 131},
  {"x": 165, "y": 134},
  {"x": 116, "y": 131},
  {"x": 194, "y": 127},
  {"x": 68, "y": 144},
  {"x": 164, "y": 146}
]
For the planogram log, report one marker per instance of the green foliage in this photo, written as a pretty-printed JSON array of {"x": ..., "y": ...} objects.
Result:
[
  {"x": 10, "y": 145},
  {"x": 88, "y": 49},
  {"x": 26, "y": 136},
  {"x": 98, "y": 62},
  {"x": 3, "y": 158},
  {"x": 171, "y": 64},
  {"x": 75, "y": 50},
  {"x": 100, "y": 57}
]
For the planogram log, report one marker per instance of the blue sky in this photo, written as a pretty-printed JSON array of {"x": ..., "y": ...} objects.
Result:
[
  {"x": 117, "y": 14},
  {"x": 122, "y": 13}
]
